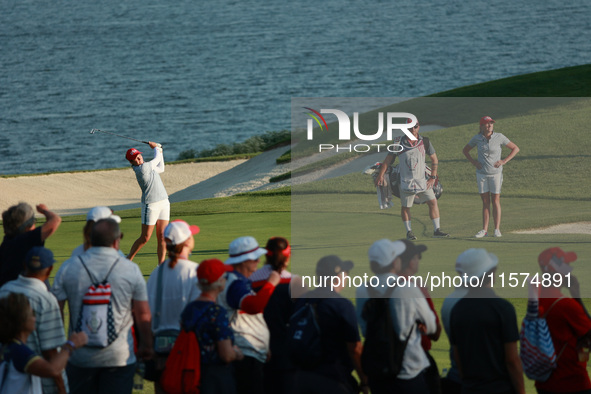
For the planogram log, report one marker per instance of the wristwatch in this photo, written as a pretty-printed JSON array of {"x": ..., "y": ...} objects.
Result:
[{"x": 432, "y": 177}]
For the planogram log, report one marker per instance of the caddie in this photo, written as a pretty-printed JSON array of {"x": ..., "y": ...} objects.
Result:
[{"x": 412, "y": 178}]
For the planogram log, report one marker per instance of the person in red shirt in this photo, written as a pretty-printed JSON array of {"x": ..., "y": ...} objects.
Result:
[{"x": 569, "y": 324}]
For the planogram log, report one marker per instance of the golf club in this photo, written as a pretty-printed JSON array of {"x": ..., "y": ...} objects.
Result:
[{"x": 122, "y": 136}]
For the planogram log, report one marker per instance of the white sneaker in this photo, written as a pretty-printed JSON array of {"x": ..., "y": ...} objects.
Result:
[
  {"x": 498, "y": 233},
  {"x": 480, "y": 234}
]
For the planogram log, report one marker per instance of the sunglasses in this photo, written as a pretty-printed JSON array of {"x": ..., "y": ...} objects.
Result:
[{"x": 416, "y": 126}]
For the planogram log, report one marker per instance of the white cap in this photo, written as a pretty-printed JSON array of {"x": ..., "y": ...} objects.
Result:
[
  {"x": 98, "y": 213},
  {"x": 384, "y": 251},
  {"x": 244, "y": 249},
  {"x": 178, "y": 231},
  {"x": 476, "y": 262}
]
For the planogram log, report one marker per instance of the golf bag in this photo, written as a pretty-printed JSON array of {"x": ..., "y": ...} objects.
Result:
[{"x": 392, "y": 184}]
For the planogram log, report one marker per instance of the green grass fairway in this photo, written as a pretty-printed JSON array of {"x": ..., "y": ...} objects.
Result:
[{"x": 221, "y": 220}]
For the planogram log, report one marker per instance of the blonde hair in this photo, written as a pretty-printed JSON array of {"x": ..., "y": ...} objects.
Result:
[{"x": 212, "y": 286}]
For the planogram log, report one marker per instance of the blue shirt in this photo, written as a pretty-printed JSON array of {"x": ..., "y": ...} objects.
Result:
[
  {"x": 238, "y": 289},
  {"x": 210, "y": 323}
]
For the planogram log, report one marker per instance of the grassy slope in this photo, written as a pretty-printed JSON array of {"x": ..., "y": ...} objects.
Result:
[{"x": 565, "y": 82}]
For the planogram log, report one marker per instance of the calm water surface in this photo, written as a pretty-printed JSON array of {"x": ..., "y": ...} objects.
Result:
[{"x": 192, "y": 74}]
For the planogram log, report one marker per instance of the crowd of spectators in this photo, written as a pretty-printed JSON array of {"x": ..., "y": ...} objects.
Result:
[{"x": 240, "y": 313}]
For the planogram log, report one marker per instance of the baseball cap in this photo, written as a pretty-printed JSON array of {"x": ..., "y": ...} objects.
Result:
[
  {"x": 553, "y": 259},
  {"x": 486, "y": 119},
  {"x": 38, "y": 258},
  {"x": 209, "y": 271},
  {"x": 332, "y": 265},
  {"x": 411, "y": 249},
  {"x": 132, "y": 153},
  {"x": 98, "y": 213},
  {"x": 178, "y": 231},
  {"x": 384, "y": 251},
  {"x": 476, "y": 262},
  {"x": 244, "y": 249}
]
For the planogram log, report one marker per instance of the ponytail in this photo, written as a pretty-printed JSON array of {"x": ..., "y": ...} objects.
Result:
[{"x": 173, "y": 252}]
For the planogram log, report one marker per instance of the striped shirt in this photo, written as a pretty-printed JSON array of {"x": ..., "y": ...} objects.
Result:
[
  {"x": 260, "y": 276},
  {"x": 49, "y": 329}
]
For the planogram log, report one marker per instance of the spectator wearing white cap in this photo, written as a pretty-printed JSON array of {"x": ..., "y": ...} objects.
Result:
[
  {"x": 245, "y": 309},
  {"x": 21, "y": 234},
  {"x": 93, "y": 216},
  {"x": 410, "y": 311},
  {"x": 484, "y": 332},
  {"x": 49, "y": 334},
  {"x": 489, "y": 170},
  {"x": 171, "y": 286}
]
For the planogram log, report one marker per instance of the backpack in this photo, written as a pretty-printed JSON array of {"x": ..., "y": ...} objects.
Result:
[
  {"x": 163, "y": 339},
  {"x": 383, "y": 351},
  {"x": 303, "y": 336},
  {"x": 96, "y": 313},
  {"x": 182, "y": 373},
  {"x": 537, "y": 352}
]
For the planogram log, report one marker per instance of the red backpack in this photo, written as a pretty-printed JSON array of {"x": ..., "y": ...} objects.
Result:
[{"x": 182, "y": 374}]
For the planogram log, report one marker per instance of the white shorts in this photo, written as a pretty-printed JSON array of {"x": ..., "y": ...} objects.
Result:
[
  {"x": 489, "y": 183},
  {"x": 155, "y": 211},
  {"x": 407, "y": 199}
]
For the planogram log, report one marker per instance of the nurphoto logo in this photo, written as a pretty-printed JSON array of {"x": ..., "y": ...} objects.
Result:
[{"x": 344, "y": 132}]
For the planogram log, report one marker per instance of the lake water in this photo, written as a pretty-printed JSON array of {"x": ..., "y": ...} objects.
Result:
[{"x": 192, "y": 74}]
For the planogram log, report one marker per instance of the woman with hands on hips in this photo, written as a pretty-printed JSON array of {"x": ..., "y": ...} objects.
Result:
[{"x": 489, "y": 170}]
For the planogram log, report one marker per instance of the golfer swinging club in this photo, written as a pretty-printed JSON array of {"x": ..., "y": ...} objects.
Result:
[{"x": 155, "y": 204}]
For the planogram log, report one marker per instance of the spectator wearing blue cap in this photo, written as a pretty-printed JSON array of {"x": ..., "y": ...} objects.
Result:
[{"x": 48, "y": 335}]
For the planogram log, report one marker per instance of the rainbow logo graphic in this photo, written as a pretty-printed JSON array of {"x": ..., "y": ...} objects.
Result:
[{"x": 315, "y": 115}]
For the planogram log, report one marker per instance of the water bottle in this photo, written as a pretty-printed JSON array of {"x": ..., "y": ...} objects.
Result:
[{"x": 138, "y": 378}]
